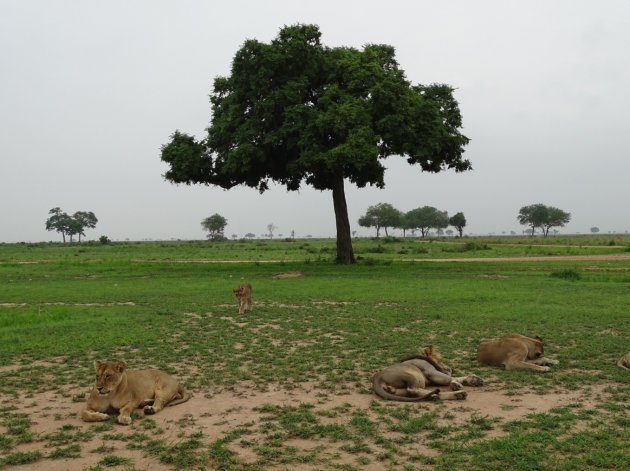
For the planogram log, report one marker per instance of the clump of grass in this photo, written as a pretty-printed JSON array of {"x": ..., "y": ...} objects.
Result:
[{"x": 569, "y": 274}]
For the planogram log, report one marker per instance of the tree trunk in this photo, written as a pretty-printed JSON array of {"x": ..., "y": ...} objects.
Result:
[{"x": 345, "y": 254}]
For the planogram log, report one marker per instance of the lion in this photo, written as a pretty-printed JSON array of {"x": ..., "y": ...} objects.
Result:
[
  {"x": 624, "y": 361},
  {"x": 117, "y": 388},
  {"x": 407, "y": 381},
  {"x": 515, "y": 352},
  {"x": 244, "y": 296}
]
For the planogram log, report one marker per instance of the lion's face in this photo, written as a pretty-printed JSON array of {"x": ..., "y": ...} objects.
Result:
[
  {"x": 108, "y": 375},
  {"x": 431, "y": 352},
  {"x": 536, "y": 349}
]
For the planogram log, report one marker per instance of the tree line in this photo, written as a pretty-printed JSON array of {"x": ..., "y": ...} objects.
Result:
[
  {"x": 67, "y": 225},
  {"x": 384, "y": 215}
]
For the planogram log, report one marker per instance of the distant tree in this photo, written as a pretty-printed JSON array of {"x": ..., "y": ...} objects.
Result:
[
  {"x": 234, "y": 236},
  {"x": 458, "y": 221},
  {"x": 555, "y": 218},
  {"x": 59, "y": 221},
  {"x": 543, "y": 217},
  {"x": 70, "y": 226},
  {"x": 215, "y": 225},
  {"x": 271, "y": 227},
  {"x": 595, "y": 230},
  {"x": 295, "y": 111},
  {"x": 381, "y": 216},
  {"x": 533, "y": 216},
  {"x": 292, "y": 234},
  {"x": 405, "y": 224},
  {"x": 250, "y": 235},
  {"x": 85, "y": 220},
  {"x": 449, "y": 232},
  {"x": 427, "y": 218}
]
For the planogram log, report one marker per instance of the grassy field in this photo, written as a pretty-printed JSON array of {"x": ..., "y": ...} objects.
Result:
[{"x": 292, "y": 378}]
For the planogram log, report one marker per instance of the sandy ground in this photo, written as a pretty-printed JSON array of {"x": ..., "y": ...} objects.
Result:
[{"x": 215, "y": 414}]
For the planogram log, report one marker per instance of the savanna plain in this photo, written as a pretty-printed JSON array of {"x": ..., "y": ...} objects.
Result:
[{"x": 287, "y": 385}]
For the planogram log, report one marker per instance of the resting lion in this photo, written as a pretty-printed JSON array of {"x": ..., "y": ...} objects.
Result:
[
  {"x": 407, "y": 381},
  {"x": 122, "y": 390},
  {"x": 515, "y": 352},
  {"x": 624, "y": 361}
]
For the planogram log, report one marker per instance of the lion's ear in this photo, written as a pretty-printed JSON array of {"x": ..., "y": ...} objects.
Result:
[
  {"x": 538, "y": 338},
  {"x": 97, "y": 365},
  {"x": 429, "y": 349},
  {"x": 120, "y": 366}
]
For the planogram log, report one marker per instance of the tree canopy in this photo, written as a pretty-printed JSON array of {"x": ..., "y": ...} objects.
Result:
[
  {"x": 215, "y": 225},
  {"x": 458, "y": 221},
  {"x": 67, "y": 225},
  {"x": 543, "y": 217},
  {"x": 382, "y": 215},
  {"x": 294, "y": 111},
  {"x": 426, "y": 218}
]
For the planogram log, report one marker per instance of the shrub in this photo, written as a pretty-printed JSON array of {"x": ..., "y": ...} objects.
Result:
[
  {"x": 104, "y": 240},
  {"x": 568, "y": 274}
]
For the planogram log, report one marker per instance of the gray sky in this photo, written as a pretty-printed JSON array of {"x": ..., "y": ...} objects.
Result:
[{"x": 90, "y": 90}]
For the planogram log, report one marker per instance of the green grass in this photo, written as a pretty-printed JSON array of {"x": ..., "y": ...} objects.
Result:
[{"x": 332, "y": 327}]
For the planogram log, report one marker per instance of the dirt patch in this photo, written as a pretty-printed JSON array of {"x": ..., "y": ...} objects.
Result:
[
  {"x": 288, "y": 274},
  {"x": 217, "y": 413}
]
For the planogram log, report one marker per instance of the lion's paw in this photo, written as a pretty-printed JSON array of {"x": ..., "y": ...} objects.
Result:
[
  {"x": 149, "y": 410},
  {"x": 461, "y": 395},
  {"x": 455, "y": 386},
  {"x": 124, "y": 419},
  {"x": 552, "y": 362},
  {"x": 473, "y": 380},
  {"x": 389, "y": 389},
  {"x": 544, "y": 368}
]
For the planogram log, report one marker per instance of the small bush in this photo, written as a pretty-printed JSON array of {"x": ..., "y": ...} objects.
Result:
[
  {"x": 104, "y": 240},
  {"x": 377, "y": 249},
  {"x": 569, "y": 274}
]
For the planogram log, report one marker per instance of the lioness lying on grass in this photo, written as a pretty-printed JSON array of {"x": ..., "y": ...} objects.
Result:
[
  {"x": 515, "y": 352},
  {"x": 408, "y": 380},
  {"x": 122, "y": 390},
  {"x": 624, "y": 361}
]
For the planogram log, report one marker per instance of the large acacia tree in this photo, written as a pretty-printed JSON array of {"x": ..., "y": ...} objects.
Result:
[{"x": 295, "y": 112}]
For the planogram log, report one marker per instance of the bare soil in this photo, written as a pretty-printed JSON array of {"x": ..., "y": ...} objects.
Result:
[{"x": 216, "y": 413}]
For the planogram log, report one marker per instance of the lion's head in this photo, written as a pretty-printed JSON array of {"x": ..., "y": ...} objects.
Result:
[
  {"x": 432, "y": 355},
  {"x": 535, "y": 349},
  {"x": 109, "y": 374}
]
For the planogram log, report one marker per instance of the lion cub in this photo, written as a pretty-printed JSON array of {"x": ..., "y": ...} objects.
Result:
[
  {"x": 243, "y": 295},
  {"x": 515, "y": 352},
  {"x": 123, "y": 390},
  {"x": 624, "y": 361}
]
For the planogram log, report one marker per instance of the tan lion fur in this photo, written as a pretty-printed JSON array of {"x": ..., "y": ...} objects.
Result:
[
  {"x": 408, "y": 381},
  {"x": 122, "y": 390},
  {"x": 624, "y": 361},
  {"x": 515, "y": 352},
  {"x": 243, "y": 294}
]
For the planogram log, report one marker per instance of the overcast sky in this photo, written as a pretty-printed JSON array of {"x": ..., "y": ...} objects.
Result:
[{"x": 90, "y": 91}]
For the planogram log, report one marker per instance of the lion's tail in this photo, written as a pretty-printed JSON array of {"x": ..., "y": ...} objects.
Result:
[
  {"x": 183, "y": 397},
  {"x": 379, "y": 391}
]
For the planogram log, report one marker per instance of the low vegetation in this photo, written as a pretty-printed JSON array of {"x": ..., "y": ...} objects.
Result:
[{"x": 316, "y": 338}]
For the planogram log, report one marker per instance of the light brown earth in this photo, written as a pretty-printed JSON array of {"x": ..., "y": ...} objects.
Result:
[{"x": 215, "y": 413}]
